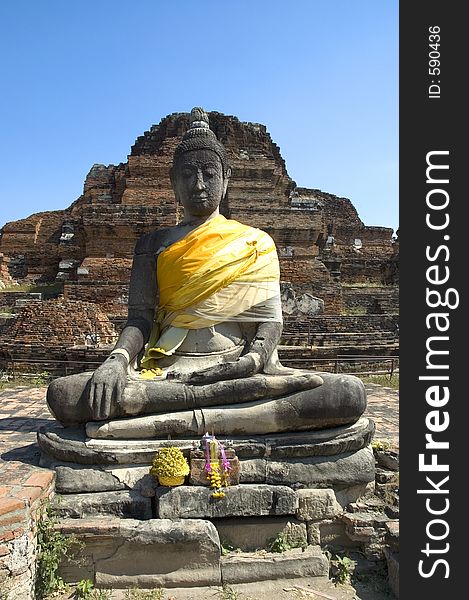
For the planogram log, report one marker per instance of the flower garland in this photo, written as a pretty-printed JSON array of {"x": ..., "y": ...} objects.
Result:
[{"x": 219, "y": 476}]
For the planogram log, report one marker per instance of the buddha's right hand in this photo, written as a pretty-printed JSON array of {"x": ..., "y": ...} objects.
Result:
[{"x": 106, "y": 386}]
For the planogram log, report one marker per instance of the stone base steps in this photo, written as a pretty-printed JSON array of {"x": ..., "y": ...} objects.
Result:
[{"x": 122, "y": 553}]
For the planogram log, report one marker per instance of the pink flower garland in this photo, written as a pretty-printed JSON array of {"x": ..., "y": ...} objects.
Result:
[{"x": 213, "y": 448}]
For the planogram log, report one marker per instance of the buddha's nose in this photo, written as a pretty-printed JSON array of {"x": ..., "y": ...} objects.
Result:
[{"x": 199, "y": 184}]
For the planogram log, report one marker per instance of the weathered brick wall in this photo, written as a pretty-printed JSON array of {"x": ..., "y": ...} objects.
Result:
[
  {"x": 23, "y": 498},
  {"x": 362, "y": 271},
  {"x": 112, "y": 298},
  {"x": 329, "y": 291},
  {"x": 9, "y": 299},
  {"x": 343, "y": 323},
  {"x": 37, "y": 240},
  {"x": 303, "y": 271},
  {"x": 6, "y": 323},
  {"x": 59, "y": 323},
  {"x": 55, "y": 361},
  {"x": 384, "y": 300}
]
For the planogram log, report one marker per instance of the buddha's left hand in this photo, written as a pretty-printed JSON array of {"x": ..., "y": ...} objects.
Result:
[
  {"x": 246, "y": 366},
  {"x": 260, "y": 349}
]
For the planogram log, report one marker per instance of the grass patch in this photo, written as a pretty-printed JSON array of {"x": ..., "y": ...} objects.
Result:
[
  {"x": 34, "y": 380},
  {"x": 136, "y": 594},
  {"x": 227, "y": 593},
  {"x": 48, "y": 289},
  {"x": 341, "y": 567},
  {"x": 283, "y": 543},
  {"x": 356, "y": 311},
  {"x": 53, "y": 547},
  {"x": 383, "y": 380}
]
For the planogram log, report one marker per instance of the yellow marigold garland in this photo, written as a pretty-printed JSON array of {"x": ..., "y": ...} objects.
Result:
[{"x": 170, "y": 466}]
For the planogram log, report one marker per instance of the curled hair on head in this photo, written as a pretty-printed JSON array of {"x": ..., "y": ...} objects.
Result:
[{"x": 199, "y": 136}]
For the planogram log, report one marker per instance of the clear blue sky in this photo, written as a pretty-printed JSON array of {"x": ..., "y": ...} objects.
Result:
[{"x": 81, "y": 80}]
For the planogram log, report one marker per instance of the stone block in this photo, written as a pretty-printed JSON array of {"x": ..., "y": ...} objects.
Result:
[
  {"x": 253, "y": 471},
  {"x": 346, "y": 495},
  {"x": 387, "y": 476},
  {"x": 251, "y": 533},
  {"x": 246, "y": 568},
  {"x": 332, "y": 533},
  {"x": 316, "y": 504},
  {"x": 342, "y": 469},
  {"x": 163, "y": 553},
  {"x": 240, "y": 501},
  {"x": 126, "y": 504},
  {"x": 387, "y": 459},
  {"x": 145, "y": 554},
  {"x": 365, "y": 519},
  {"x": 392, "y": 533},
  {"x": 76, "y": 481},
  {"x": 136, "y": 478},
  {"x": 313, "y": 533}
]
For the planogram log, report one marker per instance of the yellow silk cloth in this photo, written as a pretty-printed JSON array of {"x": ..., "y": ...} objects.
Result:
[{"x": 220, "y": 271}]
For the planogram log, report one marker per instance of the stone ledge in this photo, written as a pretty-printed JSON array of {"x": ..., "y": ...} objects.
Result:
[
  {"x": 240, "y": 501},
  {"x": 249, "y": 567},
  {"x": 71, "y": 445},
  {"x": 121, "y": 553},
  {"x": 124, "y": 504}
]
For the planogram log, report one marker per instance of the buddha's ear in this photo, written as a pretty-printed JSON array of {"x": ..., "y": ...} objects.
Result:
[
  {"x": 172, "y": 176},
  {"x": 226, "y": 178}
]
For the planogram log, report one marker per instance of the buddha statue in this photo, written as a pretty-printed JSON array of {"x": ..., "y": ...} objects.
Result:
[{"x": 199, "y": 349}]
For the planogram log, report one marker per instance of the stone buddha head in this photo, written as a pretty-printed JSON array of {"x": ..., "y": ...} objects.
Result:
[{"x": 200, "y": 170}]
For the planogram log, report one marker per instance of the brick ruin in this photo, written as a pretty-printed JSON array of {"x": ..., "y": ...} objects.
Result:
[
  {"x": 325, "y": 250},
  {"x": 57, "y": 331}
]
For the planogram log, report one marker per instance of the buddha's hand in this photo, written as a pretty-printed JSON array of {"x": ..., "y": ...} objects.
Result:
[
  {"x": 245, "y": 366},
  {"x": 106, "y": 386}
]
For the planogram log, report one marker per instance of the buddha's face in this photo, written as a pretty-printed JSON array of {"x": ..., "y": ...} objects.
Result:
[{"x": 198, "y": 182}]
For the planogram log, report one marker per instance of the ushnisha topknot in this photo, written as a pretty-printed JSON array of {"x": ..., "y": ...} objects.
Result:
[{"x": 199, "y": 136}]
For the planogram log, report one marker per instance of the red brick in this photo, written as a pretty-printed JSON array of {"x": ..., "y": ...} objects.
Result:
[
  {"x": 10, "y": 504},
  {"x": 29, "y": 493},
  {"x": 12, "y": 518},
  {"x": 96, "y": 526},
  {"x": 40, "y": 479},
  {"x": 11, "y": 534},
  {"x": 4, "y": 550},
  {"x": 5, "y": 490}
]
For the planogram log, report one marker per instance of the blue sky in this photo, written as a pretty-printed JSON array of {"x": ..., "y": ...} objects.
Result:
[{"x": 81, "y": 80}]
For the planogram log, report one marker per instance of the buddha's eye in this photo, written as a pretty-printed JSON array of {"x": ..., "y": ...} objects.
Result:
[
  {"x": 210, "y": 173},
  {"x": 186, "y": 173}
]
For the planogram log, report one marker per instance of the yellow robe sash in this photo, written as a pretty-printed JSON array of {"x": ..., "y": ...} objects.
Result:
[{"x": 216, "y": 273}]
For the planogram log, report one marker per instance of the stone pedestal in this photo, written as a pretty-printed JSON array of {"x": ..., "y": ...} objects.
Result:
[{"x": 291, "y": 488}]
